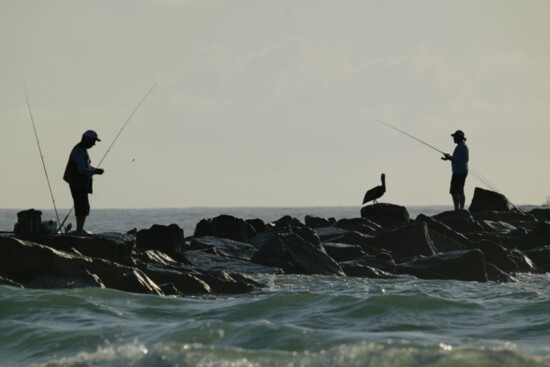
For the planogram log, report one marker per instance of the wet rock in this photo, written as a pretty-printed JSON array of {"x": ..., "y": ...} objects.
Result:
[
  {"x": 318, "y": 222},
  {"x": 460, "y": 220},
  {"x": 225, "y": 247},
  {"x": 9, "y": 282},
  {"x": 506, "y": 216},
  {"x": 444, "y": 237},
  {"x": 225, "y": 226},
  {"x": 495, "y": 274},
  {"x": 538, "y": 237},
  {"x": 366, "y": 242},
  {"x": 109, "y": 246},
  {"x": 361, "y": 225},
  {"x": 541, "y": 258},
  {"x": 258, "y": 225},
  {"x": 47, "y": 281},
  {"x": 383, "y": 263},
  {"x": 343, "y": 252},
  {"x": 386, "y": 215},
  {"x": 41, "y": 260},
  {"x": 185, "y": 282},
  {"x": 205, "y": 260},
  {"x": 294, "y": 255},
  {"x": 497, "y": 226},
  {"x": 407, "y": 241},
  {"x": 307, "y": 234},
  {"x": 542, "y": 214},
  {"x": 223, "y": 282},
  {"x": 498, "y": 256},
  {"x": 326, "y": 233},
  {"x": 486, "y": 201},
  {"x": 466, "y": 265},
  {"x": 167, "y": 239},
  {"x": 353, "y": 269}
]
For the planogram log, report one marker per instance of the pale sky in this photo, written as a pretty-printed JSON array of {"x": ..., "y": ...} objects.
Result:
[{"x": 273, "y": 103}]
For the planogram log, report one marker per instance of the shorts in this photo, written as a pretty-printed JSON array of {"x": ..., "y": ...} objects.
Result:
[
  {"x": 457, "y": 183},
  {"x": 81, "y": 202}
]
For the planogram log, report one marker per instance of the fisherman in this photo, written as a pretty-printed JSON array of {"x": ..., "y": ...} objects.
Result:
[
  {"x": 78, "y": 174},
  {"x": 459, "y": 164}
]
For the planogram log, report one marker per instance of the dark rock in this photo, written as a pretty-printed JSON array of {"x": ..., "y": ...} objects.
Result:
[
  {"x": 497, "y": 226},
  {"x": 466, "y": 265},
  {"x": 287, "y": 221},
  {"x": 225, "y": 247},
  {"x": 460, "y": 220},
  {"x": 495, "y": 274},
  {"x": 506, "y": 216},
  {"x": 42, "y": 260},
  {"x": 184, "y": 282},
  {"x": 293, "y": 254},
  {"x": 109, "y": 246},
  {"x": 343, "y": 252},
  {"x": 307, "y": 234},
  {"x": 541, "y": 258},
  {"x": 9, "y": 282},
  {"x": 223, "y": 282},
  {"x": 326, "y": 233},
  {"x": 386, "y": 215},
  {"x": 317, "y": 222},
  {"x": 358, "y": 270},
  {"x": 385, "y": 264},
  {"x": 538, "y": 237},
  {"x": 361, "y": 225},
  {"x": 497, "y": 255},
  {"x": 46, "y": 281},
  {"x": 204, "y": 260},
  {"x": 487, "y": 201},
  {"x": 366, "y": 242},
  {"x": 225, "y": 226},
  {"x": 542, "y": 214},
  {"x": 167, "y": 239},
  {"x": 444, "y": 237},
  {"x": 258, "y": 225},
  {"x": 407, "y": 241}
]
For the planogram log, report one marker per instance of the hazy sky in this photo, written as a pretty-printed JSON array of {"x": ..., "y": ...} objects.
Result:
[{"x": 273, "y": 103}]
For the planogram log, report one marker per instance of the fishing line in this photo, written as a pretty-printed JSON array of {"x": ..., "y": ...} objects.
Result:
[
  {"x": 41, "y": 155},
  {"x": 476, "y": 173},
  {"x": 116, "y": 138}
]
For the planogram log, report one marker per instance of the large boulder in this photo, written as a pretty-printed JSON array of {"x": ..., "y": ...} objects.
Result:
[
  {"x": 444, "y": 237},
  {"x": 361, "y": 225},
  {"x": 295, "y": 255},
  {"x": 386, "y": 215},
  {"x": 541, "y": 258},
  {"x": 225, "y": 226},
  {"x": 408, "y": 241},
  {"x": 225, "y": 247},
  {"x": 355, "y": 267},
  {"x": 317, "y": 222},
  {"x": 109, "y": 246},
  {"x": 538, "y": 237},
  {"x": 542, "y": 214},
  {"x": 486, "y": 201},
  {"x": 342, "y": 251},
  {"x": 460, "y": 220},
  {"x": 167, "y": 239},
  {"x": 23, "y": 261},
  {"x": 498, "y": 256},
  {"x": 468, "y": 265}
]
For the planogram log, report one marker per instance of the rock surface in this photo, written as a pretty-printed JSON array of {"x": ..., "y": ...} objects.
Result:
[{"x": 490, "y": 242}]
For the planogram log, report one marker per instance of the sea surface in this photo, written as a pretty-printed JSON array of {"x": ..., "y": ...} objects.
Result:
[{"x": 294, "y": 321}]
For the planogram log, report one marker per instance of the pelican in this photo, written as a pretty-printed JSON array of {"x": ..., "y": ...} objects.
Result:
[{"x": 376, "y": 192}]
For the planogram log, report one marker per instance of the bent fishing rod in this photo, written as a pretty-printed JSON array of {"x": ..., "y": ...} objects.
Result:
[
  {"x": 476, "y": 173},
  {"x": 114, "y": 140},
  {"x": 41, "y": 155}
]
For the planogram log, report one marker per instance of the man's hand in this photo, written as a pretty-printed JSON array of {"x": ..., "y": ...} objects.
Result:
[
  {"x": 447, "y": 157},
  {"x": 99, "y": 171}
]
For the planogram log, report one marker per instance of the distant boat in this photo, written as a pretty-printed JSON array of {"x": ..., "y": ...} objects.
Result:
[{"x": 547, "y": 201}]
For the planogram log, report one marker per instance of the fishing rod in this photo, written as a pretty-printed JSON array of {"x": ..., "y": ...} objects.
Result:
[
  {"x": 116, "y": 138},
  {"x": 41, "y": 155},
  {"x": 476, "y": 173},
  {"x": 410, "y": 136}
]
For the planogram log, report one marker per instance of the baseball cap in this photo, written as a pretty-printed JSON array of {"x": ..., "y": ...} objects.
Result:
[
  {"x": 90, "y": 134},
  {"x": 458, "y": 133}
]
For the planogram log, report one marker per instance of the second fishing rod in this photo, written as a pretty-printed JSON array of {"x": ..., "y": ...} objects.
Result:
[{"x": 476, "y": 173}]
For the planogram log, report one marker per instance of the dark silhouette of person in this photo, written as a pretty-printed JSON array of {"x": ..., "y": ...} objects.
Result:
[
  {"x": 78, "y": 174},
  {"x": 459, "y": 163}
]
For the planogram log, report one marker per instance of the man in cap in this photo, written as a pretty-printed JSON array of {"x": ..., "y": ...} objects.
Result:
[
  {"x": 78, "y": 174},
  {"x": 459, "y": 164}
]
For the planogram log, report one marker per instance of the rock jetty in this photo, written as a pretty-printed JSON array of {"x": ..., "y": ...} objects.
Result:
[{"x": 492, "y": 241}]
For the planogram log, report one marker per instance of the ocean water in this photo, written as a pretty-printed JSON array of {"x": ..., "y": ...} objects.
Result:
[{"x": 294, "y": 321}]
